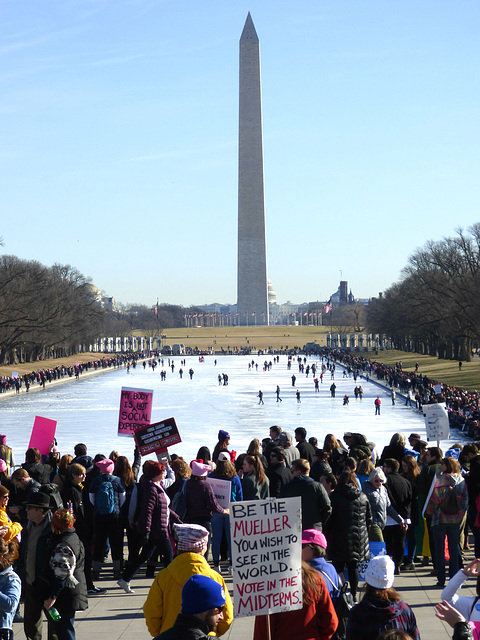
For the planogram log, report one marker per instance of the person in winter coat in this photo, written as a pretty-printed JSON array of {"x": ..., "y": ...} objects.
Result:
[
  {"x": 10, "y": 587},
  {"x": 465, "y": 605},
  {"x": 107, "y": 495},
  {"x": 199, "y": 497},
  {"x": 153, "y": 523},
  {"x": 314, "y": 546},
  {"x": 396, "y": 448},
  {"x": 381, "y": 607},
  {"x": 164, "y": 599},
  {"x": 255, "y": 484},
  {"x": 203, "y": 602},
  {"x": 380, "y": 504},
  {"x": 277, "y": 472},
  {"x": 400, "y": 494},
  {"x": 67, "y": 590},
  {"x": 72, "y": 492},
  {"x": 316, "y": 620},
  {"x": 347, "y": 528},
  {"x": 225, "y": 470},
  {"x": 447, "y": 523},
  {"x": 316, "y": 508}
]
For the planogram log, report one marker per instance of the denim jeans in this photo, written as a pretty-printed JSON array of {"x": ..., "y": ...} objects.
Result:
[
  {"x": 220, "y": 523},
  {"x": 452, "y": 531}
]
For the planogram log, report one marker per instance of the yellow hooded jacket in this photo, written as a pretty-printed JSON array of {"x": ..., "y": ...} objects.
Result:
[{"x": 164, "y": 600}]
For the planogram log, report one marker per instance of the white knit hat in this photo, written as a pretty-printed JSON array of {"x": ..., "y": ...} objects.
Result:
[{"x": 380, "y": 572}]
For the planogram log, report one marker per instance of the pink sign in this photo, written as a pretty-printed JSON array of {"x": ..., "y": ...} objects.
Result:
[
  {"x": 43, "y": 434},
  {"x": 135, "y": 410}
]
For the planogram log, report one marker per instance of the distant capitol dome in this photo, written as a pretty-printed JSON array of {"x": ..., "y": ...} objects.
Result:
[
  {"x": 93, "y": 291},
  {"x": 272, "y": 296}
]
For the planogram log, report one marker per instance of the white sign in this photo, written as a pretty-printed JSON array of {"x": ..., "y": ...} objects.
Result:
[
  {"x": 222, "y": 490},
  {"x": 266, "y": 555},
  {"x": 436, "y": 421}
]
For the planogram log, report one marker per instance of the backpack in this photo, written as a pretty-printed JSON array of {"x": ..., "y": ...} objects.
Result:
[
  {"x": 52, "y": 491},
  {"x": 179, "y": 502},
  {"x": 450, "y": 504},
  {"x": 343, "y": 602},
  {"x": 104, "y": 497}
]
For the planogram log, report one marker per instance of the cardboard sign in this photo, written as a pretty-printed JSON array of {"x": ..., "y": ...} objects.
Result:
[
  {"x": 436, "y": 421},
  {"x": 266, "y": 555},
  {"x": 43, "y": 434},
  {"x": 157, "y": 436},
  {"x": 222, "y": 490},
  {"x": 135, "y": 410}
]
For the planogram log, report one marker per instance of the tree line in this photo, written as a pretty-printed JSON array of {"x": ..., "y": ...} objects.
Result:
[
  {"x": 434, "y": 308},
  {"x": 44, "y": 311},
  {"x": 55, "y": 312}
]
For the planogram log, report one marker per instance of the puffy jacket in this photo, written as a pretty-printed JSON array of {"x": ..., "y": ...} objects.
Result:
[
  {"x": 154, "y": 515},
  {"x": 347, "y": 528},
  {"x": 380, "y": 505},
  {"x": 164, "y": 599}
]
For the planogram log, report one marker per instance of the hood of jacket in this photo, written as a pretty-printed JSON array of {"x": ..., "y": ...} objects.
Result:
[
  {"x": 185, "y": 565},
  {"x": 382, "y": 610},
  {"x": 349, "y": 491}
]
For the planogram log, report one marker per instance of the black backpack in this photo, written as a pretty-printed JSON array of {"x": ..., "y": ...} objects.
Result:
[
  {"x": 343, "y": 602},
  {"x": 450, "y": 503}
]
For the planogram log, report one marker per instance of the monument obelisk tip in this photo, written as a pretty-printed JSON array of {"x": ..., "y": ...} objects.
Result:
[{"x": 249, "y": 32}]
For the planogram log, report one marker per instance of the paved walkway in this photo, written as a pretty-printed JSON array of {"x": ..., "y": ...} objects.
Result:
[{"x": 116, "y": 615}]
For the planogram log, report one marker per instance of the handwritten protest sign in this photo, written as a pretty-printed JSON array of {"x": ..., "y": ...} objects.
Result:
[
  {"x": 266, "y": 555},
  {"x": 43, "y": 434},
  {"x": 436, "y": 421},
  {"x": 157, "y": 436},
  {"x": 135, "y": 410},
  {"x": 222, "y": 490}
]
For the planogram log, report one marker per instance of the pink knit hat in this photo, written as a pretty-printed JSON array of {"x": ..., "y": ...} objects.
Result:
[
  {"x": 106, "y": 466},
  {"x": 200, "y": 469},
  {"x": 3, "y": 465}
]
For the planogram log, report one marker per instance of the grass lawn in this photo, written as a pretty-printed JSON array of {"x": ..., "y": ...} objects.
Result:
[{"x": 284, "y": 337}]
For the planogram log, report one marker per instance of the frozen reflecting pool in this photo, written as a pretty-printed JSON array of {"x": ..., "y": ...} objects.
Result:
[{"x": 87, "y": 410}]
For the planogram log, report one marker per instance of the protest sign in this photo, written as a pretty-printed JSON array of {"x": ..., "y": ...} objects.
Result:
[
  {"x": 436, "y": 421},
  {"x": 222, "y": 490},
  {"x": 43, "y": 434},
  {"x": 475, "y": 626},
  {"x": 157, "y": 436},
  {"x": 135, "y": 410},
  {"x": 266, "y": 555}
]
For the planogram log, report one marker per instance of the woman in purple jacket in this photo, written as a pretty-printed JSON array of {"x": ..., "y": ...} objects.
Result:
[{"x": 152, "y": 523}]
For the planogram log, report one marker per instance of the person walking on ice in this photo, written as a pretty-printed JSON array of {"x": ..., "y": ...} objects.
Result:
[{"x": 378, "y": 402}]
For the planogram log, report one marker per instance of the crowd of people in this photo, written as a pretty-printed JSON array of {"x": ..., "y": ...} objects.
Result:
[
  {"x": 61, "y": 516},
  {"x": 70, "y": 511}
]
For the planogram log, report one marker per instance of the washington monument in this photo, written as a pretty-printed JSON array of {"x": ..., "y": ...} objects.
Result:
[{"x": 252, "y": 296}]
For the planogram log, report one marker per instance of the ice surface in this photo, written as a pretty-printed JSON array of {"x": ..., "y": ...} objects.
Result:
[{"x": 87, "y": 410}]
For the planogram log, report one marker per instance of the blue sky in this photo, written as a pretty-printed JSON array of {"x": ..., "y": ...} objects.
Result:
[{"x": 119, "y": 127}]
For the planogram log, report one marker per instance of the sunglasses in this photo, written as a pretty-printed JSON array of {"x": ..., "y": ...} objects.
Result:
[{"x": 219, "y": 609}]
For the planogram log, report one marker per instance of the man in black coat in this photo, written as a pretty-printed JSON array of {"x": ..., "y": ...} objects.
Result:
[
  {"x": 33, "y": 554},
  {"x": 316, "y": 507},
  {"x": 305, "y": 449},
  {"x": 400, "y": 493},
  {"x": 277, "y": 472}
]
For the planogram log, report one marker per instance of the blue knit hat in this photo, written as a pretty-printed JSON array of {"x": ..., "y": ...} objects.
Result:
[{"x": 201, "y": 593}]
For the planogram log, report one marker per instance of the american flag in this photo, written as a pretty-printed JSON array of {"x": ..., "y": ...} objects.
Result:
[{"x": 328, "y": 307}]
